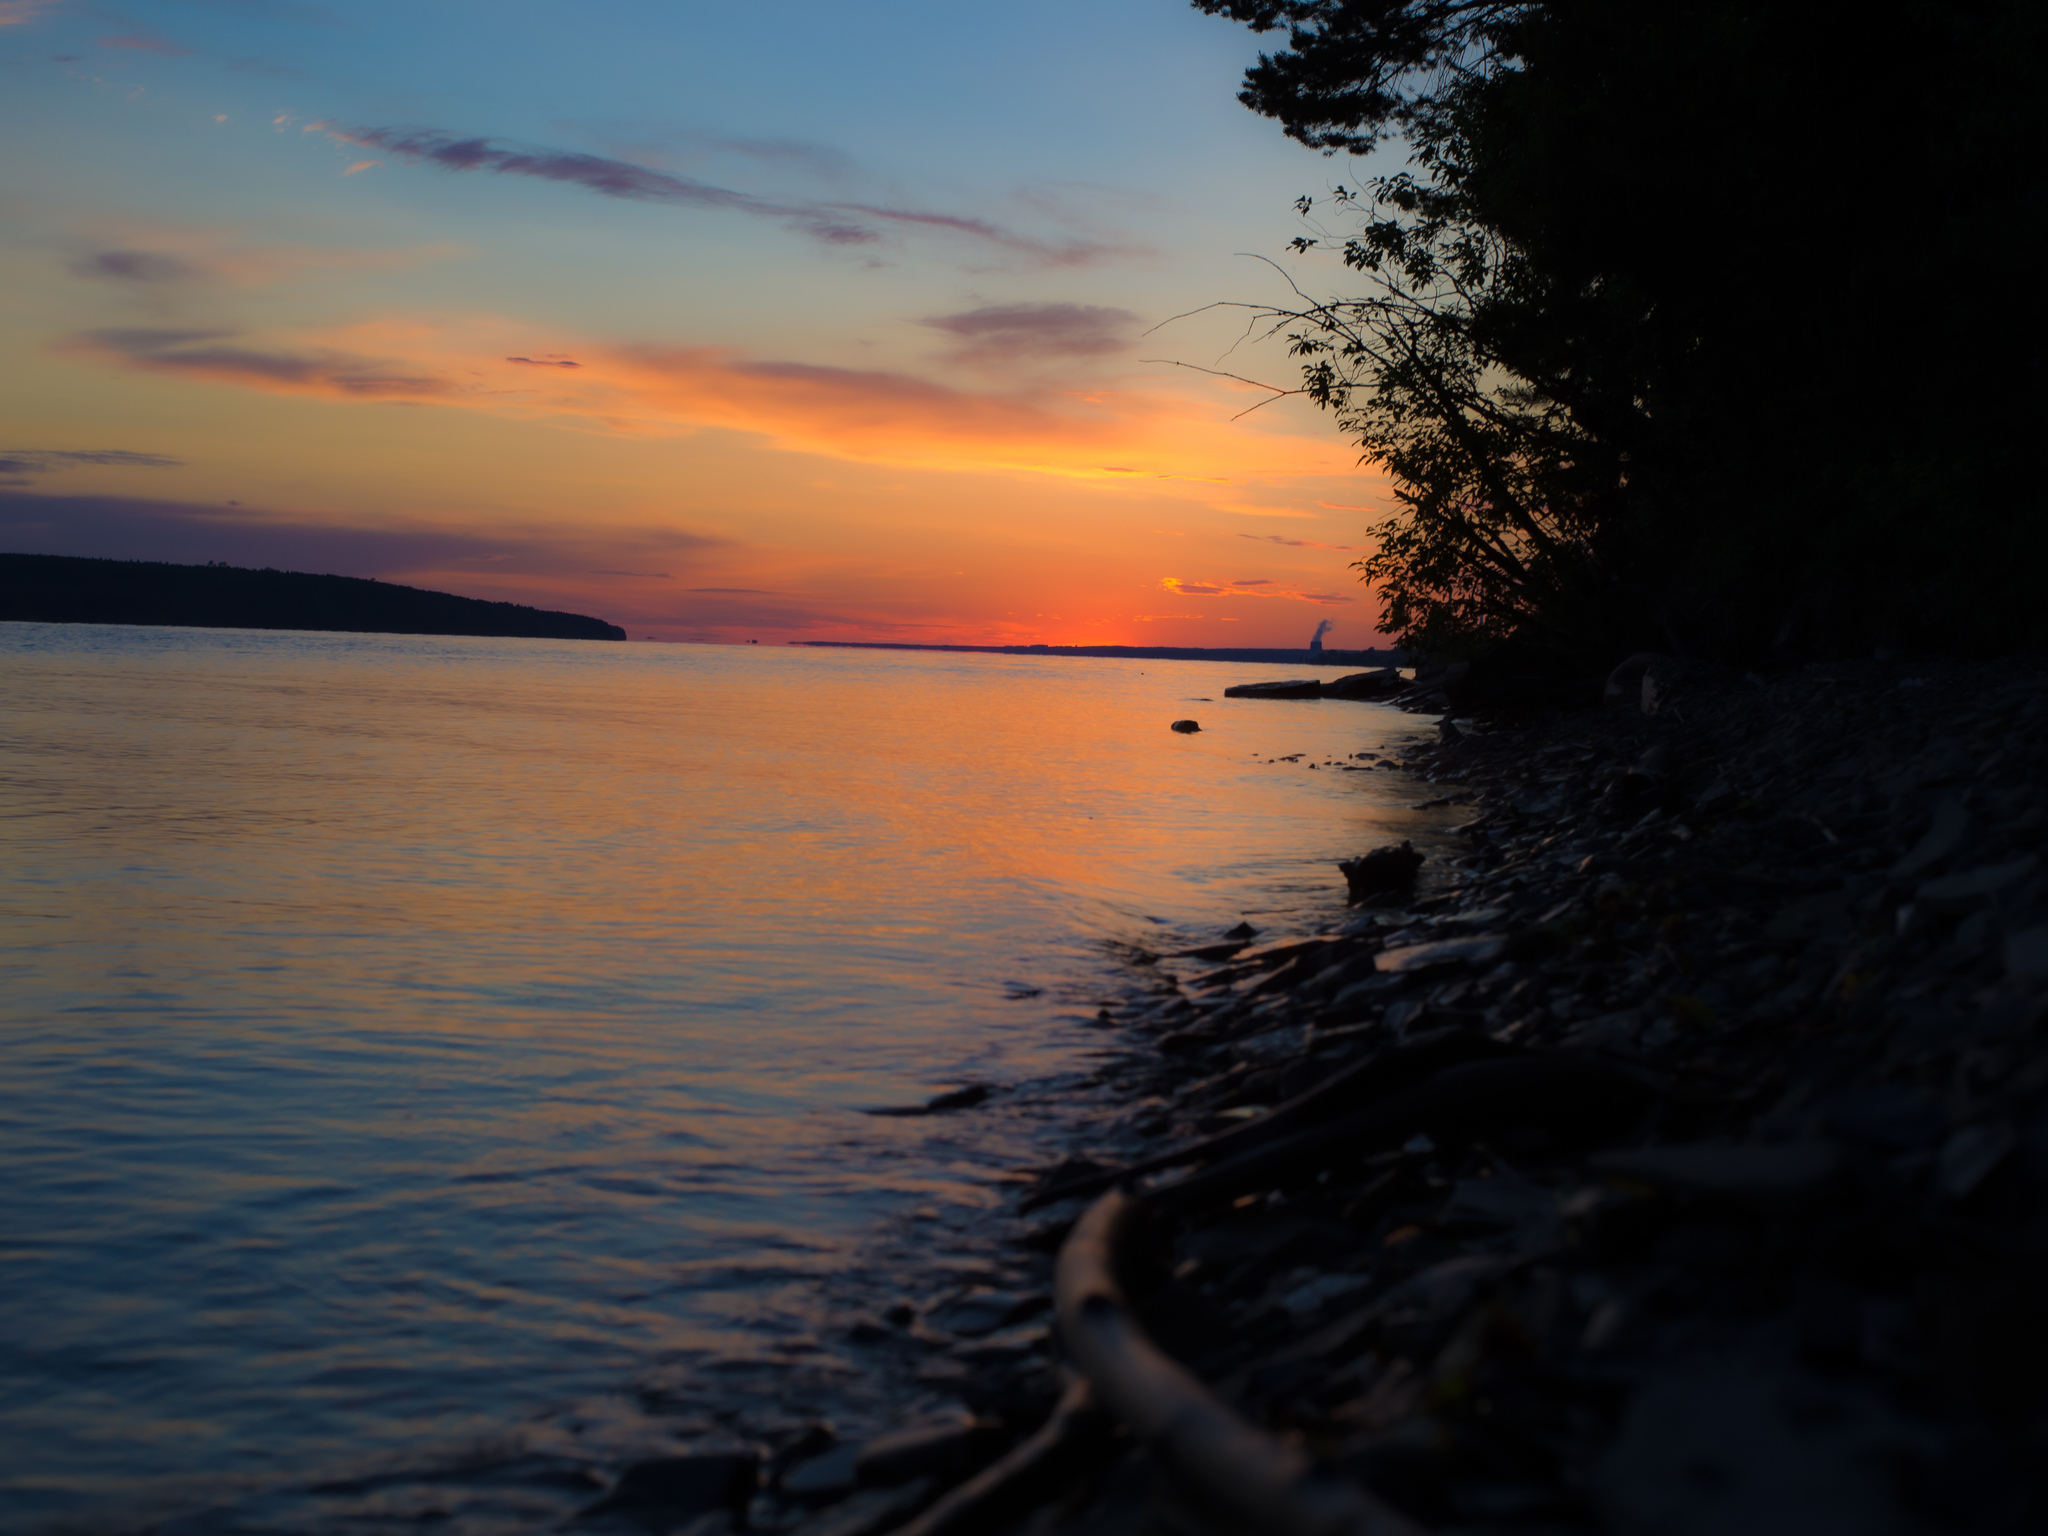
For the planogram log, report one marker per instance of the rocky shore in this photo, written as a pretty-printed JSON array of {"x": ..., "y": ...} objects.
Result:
[{"x": 1671, "y": 1157}]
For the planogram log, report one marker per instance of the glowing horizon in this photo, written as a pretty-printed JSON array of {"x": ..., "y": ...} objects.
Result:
[{"x": 862, "y": 343}]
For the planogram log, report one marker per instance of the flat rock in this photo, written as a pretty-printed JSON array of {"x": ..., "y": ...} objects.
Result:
[
  {"x": 977, "y": 1311},
  {"x": 932, "y": 1450},
  {"x": 822, "y": 1478},
  {"x": 1300, "y": 688},
  {"x": 1480, "y": 949},
  {"x": 1975, "y": 888},
  {"x": 1718, "y": 1451},
  {"x": 1366, "y": 685},
  {"x": 1765, "y": 1174}
]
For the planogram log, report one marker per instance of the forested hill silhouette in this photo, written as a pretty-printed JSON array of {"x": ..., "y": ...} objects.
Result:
[{"x": 66, "y": 589}]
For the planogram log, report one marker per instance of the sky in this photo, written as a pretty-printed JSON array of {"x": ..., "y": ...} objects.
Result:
[{"x": 878, "y": 321}]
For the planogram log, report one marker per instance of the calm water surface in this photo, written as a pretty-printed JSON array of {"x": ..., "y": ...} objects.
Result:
[{"x": 402, "y": 1038}]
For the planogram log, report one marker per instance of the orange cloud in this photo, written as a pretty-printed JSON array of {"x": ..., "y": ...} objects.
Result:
[
  {"x": 1259, "y": 587},
  {"x": 1136, "y": 432}
]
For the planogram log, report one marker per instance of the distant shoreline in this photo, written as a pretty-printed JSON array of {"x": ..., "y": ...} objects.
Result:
[
  {"x": 73, "y": 589},
  {"x": 1302, "y": 657}
]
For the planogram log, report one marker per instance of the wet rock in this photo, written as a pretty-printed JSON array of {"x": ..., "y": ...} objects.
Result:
[
  {"x": 2026, "y": 955},
  {"x": 1241, "y": 931},
  {"x": 1956, "y": 894},
  {"x": 822, "y": 1478},
  {"x": 980, "y": 1310},
  {"x": 871, "y": 1511},
  {"x": 1389, "y": 871},
  {"x": 1765, "y": 1175},
  {"x": 1186, "y": 727},
  {"x": 960, "y": 1098},
  {"x": 1718, "y": 1451},
  {"x": 1884, "y": 1115},
  {"x": 674, "y": 1490},
  {"x": 1972, "y": 1154},
  {"x": 1952, "y": 830},
  {"x": 1366, "y": 685},
  {"x": 1301, "y": 688},
  {"x": 943, "y": 1451},
  {"x": 1624, "y": 684},
  {"x": 1480, "y": 949},
  {"x": 1008, "y": 1347}
]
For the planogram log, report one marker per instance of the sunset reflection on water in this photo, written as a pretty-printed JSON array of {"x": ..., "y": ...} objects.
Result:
[{"x": 402, "y": 1034}]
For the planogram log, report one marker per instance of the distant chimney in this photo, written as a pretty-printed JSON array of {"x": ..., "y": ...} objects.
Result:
[{"x": 1315, "y": 643}]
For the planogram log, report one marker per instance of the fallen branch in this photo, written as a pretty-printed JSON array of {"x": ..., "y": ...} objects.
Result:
[{"x": 1269, "y": 1484}]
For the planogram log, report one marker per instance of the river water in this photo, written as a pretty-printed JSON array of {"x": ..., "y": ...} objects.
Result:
[{"x": 410, "y": 1042}]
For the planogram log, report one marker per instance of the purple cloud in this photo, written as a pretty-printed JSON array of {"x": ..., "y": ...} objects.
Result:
[
  {"x": 1002, "y": 333},
  {"x": 1274, "y": 538},
  {"x": 831, "y": 223},
  {"x": 198, "y": 352},
  {"x": 16, "y": 464},
  {"x": 142, "y": 42},
  {"x": 135, "y": 267},
  {"x": 545, "y": 362}
]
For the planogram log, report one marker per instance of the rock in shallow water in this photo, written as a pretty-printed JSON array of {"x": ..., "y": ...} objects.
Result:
[{"x": 1186, "y": 727}]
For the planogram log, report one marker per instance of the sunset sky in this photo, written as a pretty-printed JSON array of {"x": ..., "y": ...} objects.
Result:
[{"x": 804, "y": 321}]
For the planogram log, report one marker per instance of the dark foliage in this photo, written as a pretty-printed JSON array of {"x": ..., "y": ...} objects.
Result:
[
  {"x": 65, "y": 589},
  {"x": 1698, "y": 324}
]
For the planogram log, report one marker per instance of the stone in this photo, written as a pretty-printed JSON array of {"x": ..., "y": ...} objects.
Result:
[
  {"x": 1951, "y": 830},
  {"x": 1972, "y": 1154},
  {"x": 1625, "y": 683},
  {"x": 1953, "y": 895},
  {"x": 1299, "y": 688},
  {"x": 1884, "y": 1115},
  {"x": 671, "y": 1490},
  {"x": 822, "y": 1478},
  {"x": 945, "y": 1103},
  {"x": 1309, "y": 1297},
  {"x": 1386, "y": 871},
  {"x": 1503, "y": 1200},
  {"x": 1366, "y": 685},
  {"x": 1360, "y": 996},
  {"x": 939, "y": 1450},
  {"x": 2026, "y": 955},
  {"x": 872, "y": 1511},
  {"x": 1481, "y": 949},
  {"x": 1186, "y": 727},
  {"x": 1761, "y": 1174},
  {"x": 977, "y": 1311},
  {"x": 1005, "y": 1348},
  {"x": 1716, "y": 1450}
]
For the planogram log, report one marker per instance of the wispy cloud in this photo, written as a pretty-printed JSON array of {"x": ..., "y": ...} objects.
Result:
[
  {"x": 144, "y": 42},
  {"x": 1274, "y": 538},
  {"x": 167, "y": 256},
  {"x": 211, "y": 354},
  {"x": 871, "y": 416},
  {"x": 18, "y": 13},
  {"x": 1259, "y": 587},
  {"x": 833, "y": 223},
  {"x": 136, "y": 267},
  {"x": 18, "y": 464},
  {"x": 1002, "y": 334}
]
